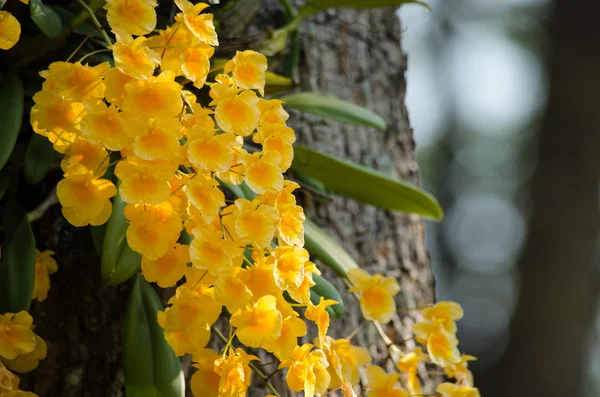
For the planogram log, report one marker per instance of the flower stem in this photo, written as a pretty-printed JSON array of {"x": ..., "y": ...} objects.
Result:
[
  {"x": 96, "y": 22},
  {"x": 93, "y": 53},
  {"x": 79, "y": 47},
  {"x": 356, "y": 331},
  {"x": 264, "y": 378}
]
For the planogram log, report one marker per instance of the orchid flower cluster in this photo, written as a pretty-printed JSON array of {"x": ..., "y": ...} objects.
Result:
[{"x": 172, "y": 157}]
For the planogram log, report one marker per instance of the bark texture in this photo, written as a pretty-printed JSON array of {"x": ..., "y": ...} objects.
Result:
[
  {"x": 82, "y": 319},
  {"x": 352, "y": 55},
  {"x": 357, "y": 56}
]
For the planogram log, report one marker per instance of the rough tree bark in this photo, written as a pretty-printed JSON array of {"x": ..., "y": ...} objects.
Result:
[
  {"x": 352, "y": 55},
  {"x": 357, "y": 56}
]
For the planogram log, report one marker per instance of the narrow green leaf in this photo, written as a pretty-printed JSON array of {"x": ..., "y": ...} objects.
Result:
[
  {"x": 45, "y": 18},
  {"x": 248, "y": 193},
  {"x": 365, "y": 185},
  {"x": 39, "y": 157},
  {"x": 141, "y": 391},
  {"x": 119, "y": 261},
  {"x": 18, "y": 259},
  {"x": 325, "y": 289},
  {"x": 275, "y": 83},
  {"x": 150, "y": 366},
  {"x": 98, "y": 233},
  {"x": 320, "y": 245},
  {"x": 277, "y": 42},
  {"x": 235, "y": 189},
  {"x": 315, "y": 188},
  {"x": 168, "y": 376},
  {"x": 4, "y": 182},
  {"x": 275, "y": 80},
  {"x": 11, "y": 114},
  {"x": 313, "y": 7},
  {"x": 334, "y": 109},
  {"x": 138, "y": 364}
]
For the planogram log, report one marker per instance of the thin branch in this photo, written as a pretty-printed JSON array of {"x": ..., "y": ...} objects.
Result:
[
  {"x": 96, "y": 22},
  {"x": 41, "y": 209},
  {"x": 79, "y": 47}
]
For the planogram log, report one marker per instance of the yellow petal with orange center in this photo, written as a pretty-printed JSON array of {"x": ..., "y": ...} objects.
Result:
[
  {"x": 115, "y": 82},
  {"x": 289, "y": 266},
  {"x": 258, "y": 323},
  {"x": 205, "y": 381},
  {"x": 134, "y": 58},
  {"x": 202, "y": 26},
  {"x": 135, "y": 17},
  {"x": 291, "y": 227},
  {"x": 30, "y": 361},
  {"x": 92, "y": 156},
  {"x": 85, "y": 197},
  {"x": 263, "y": 174},
  {"x": 167, "y": 270},
  {"x": 248, "y": 69},
  {"x": 158, "y": 97},
  {"x": 213, "y": 153},
  {"x": 205, "y": 195},
  {"x": 292, "y": 328},
  {"x": 159, "y": 141},
  {"x": 231, "y": 290},
  {"x": 210, "y": 251},
  {"x": 105, "y": 126},
  {"x": 256, "y": 226},
  {"x": 238, "y": 115},
  {"x": 57, "y": 118},
  {"x": 16, "y": 336},
  {"x": 195, "y": 64}
]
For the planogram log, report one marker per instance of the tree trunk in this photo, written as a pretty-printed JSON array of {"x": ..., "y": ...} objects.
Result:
[
  {"x": 352, "y": 55},
  {"x": 357, "y": 56}
]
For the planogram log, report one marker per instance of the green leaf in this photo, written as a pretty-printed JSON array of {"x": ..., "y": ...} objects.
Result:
[
  {"x": 365, "y": 184},
  {"x": 325, "y": 289},
  {"x": 11, "y": 114},
  {"x": 277, "y": 42},
  {"x": 39, "y": 158},
  {"x": 275, "y": 80},
  {"x": 119, "y": 261},
  {"x": 334, "y": 109},
  {"x": 149, "y": 364},
  {"x": 248, "y": 193},
  {"x": 4, "y": 182},
  {"x": 275, "y": 83},
  {"x": 320, "y": 245},
  {"x": 98, "y": 233},
  {"x": 45, "y": 18},
  {"x": 235, "y": 189},
  {"x": 185, "y": 238},
  {"x": 313, "y": 7},
  {"x": 17, "y": 266}
]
